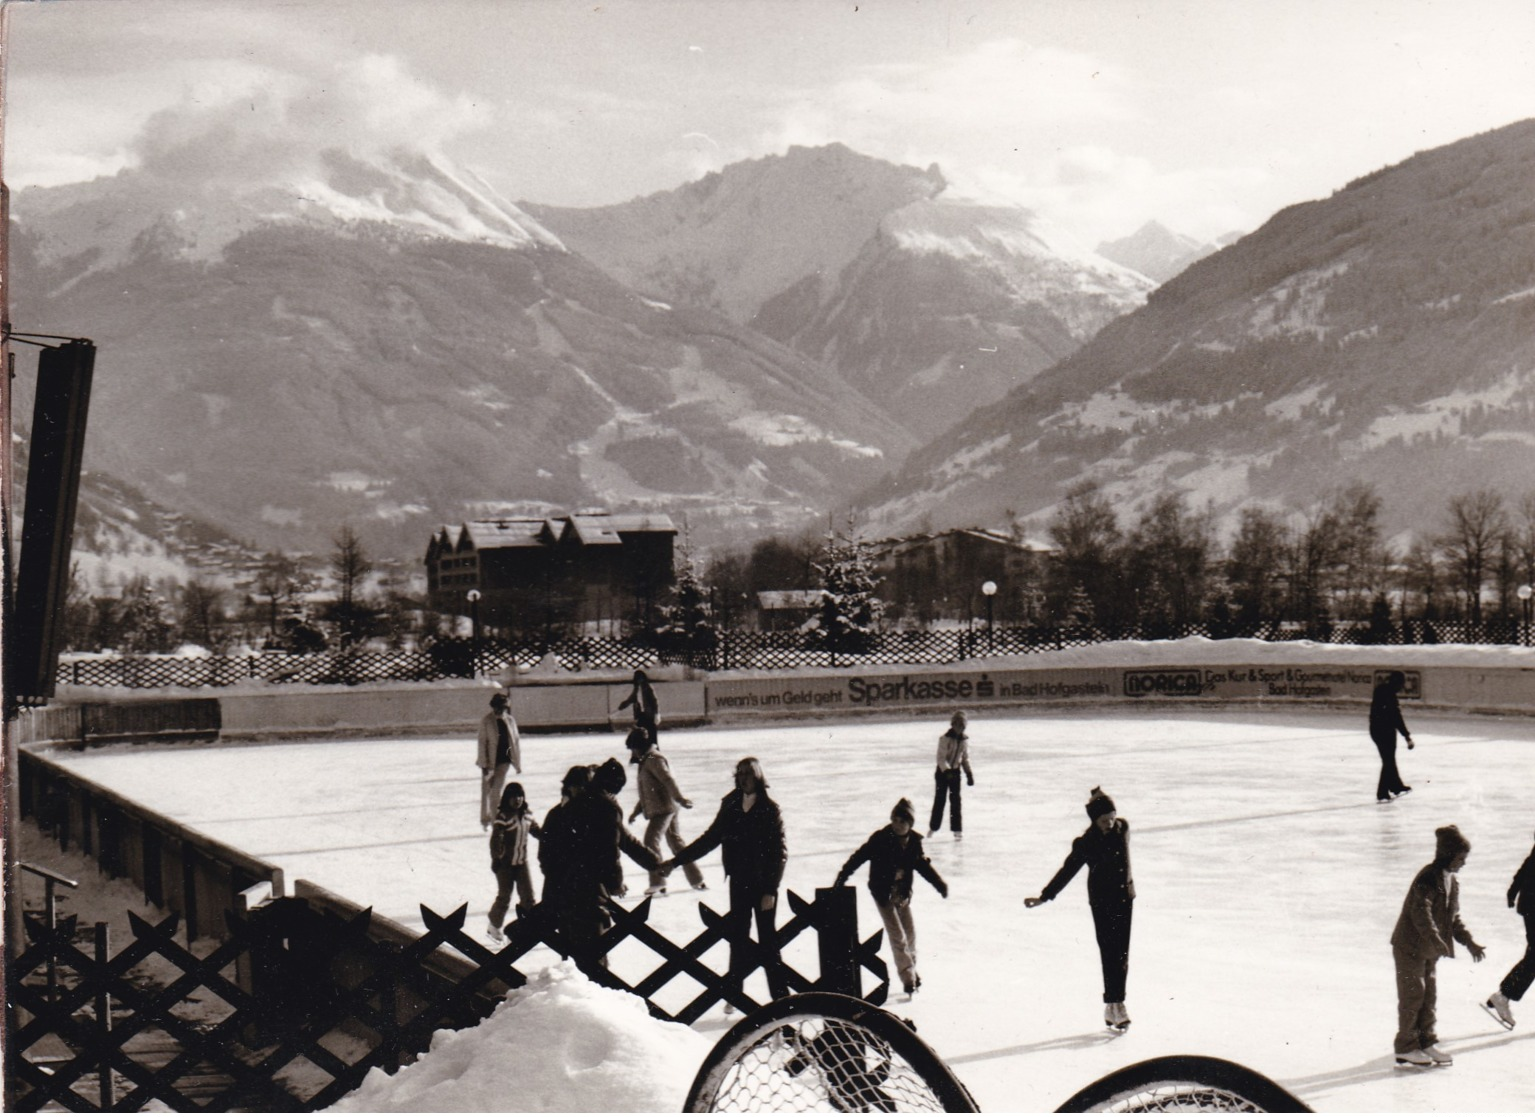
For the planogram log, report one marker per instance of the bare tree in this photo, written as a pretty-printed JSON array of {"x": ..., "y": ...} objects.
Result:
[
  {"x": 1476, "y": 521},
  {"x": 1086, "y": 532},
  {"x": 349, "y": 566},
  {"x": 281, "y": 582},
  {"x": 1254, "y": 566}
]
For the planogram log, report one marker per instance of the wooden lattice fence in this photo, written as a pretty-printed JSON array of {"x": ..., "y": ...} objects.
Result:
[
  {"x": 729, "y": 650},
  {"x": 328, "y": 999}
]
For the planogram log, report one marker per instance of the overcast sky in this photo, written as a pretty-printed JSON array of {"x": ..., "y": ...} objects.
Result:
[{"x": 1207, "y": 115}]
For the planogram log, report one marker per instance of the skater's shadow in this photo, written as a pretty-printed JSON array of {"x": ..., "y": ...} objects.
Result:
[
  {"x": 1061, "y": 1043},
  {"x": 1385, "y": 1065}
]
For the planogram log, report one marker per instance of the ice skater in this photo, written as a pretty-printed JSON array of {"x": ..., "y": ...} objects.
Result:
[
  {"x": 1427, "y": 930},
  {"x": 659, "y": 798},
  {"x": 894, "y": 854},
  {"x": 1521, "y": 897},
  {"x": 1385, "y": 723},
  {"x": 953, "y": 758},
  {"x": 499, "y": 749},
  {"x": 647, "y": 710},
  {"x": 509, "y": 834},
  {"x": 594, "y": 871},
  {"x": 749, "y": 830},
  {"x": 1104, "y": 847}
]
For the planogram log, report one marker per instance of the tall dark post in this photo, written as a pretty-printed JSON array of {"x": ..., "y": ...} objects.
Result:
[
  {"x": 48, "y": 522},
  {"x": 837, "y": 940}
]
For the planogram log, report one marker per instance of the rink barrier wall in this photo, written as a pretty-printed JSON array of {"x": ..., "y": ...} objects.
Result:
[
  {"x": 1471, "y": 689},
  {"x": 177, "y": 868},
  {"x": 556, "y": 704}
]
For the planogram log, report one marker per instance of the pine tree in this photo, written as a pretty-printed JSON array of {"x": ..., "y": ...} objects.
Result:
[
  {"x": 689, "y": 621},
  {"x": 850, "y": 609}
]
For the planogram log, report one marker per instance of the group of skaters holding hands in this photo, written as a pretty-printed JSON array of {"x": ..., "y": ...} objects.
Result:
[{"x": 582, "y": 837}]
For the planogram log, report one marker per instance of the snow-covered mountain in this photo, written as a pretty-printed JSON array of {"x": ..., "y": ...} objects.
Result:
[
  {"x": 1385, "y": 334},
  {"x": 385, "y": 342},
  {"x": 932, "y": 305},
  {"x": 1156, "y": 251},
  {"x": 951, "y": 304},
  {"x": 734, "y": 239}
]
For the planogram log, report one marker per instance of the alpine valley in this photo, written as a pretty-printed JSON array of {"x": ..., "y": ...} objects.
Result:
[
  {"x": 1383, "y": 335},
  {"x": 384, "y": 341}
]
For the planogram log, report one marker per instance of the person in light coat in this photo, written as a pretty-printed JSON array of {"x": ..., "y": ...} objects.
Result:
[
  {"x": 953, "y": 758},
  {"x": 659, "y": 799},
  {"x": 499, "y": 751}
]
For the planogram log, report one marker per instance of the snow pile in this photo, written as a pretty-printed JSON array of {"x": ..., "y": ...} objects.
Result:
[{"x": 559, "y": 1044}]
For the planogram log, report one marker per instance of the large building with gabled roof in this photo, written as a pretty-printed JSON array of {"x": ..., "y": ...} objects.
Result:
[{"x": 539, "y": 574}]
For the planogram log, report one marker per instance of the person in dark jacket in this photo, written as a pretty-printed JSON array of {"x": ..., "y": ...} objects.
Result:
[
  {"x": 895, "y": 855},
  {"x": 1521, "y": 897},
  {"x": 1104, "y": 847},
  {"x": 593, "y": 870},
  {"x": 749, "y": 831},
  {"x": 1427, "y": 930},
  {"x": 647, "y": 711},
  {"x": 1385, "y": 723},
  {"x": 509, "y": 835},
  {"x": 556, "y": 840}
]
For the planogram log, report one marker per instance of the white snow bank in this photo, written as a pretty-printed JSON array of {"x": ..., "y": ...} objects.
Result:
[{"x": 559, "y": 1044}]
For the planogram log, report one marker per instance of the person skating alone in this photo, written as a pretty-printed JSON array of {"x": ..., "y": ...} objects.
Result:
[
  {"x": 894, "y": 854},
  {"x": 1385, "y": 723},
  {"x": 509, "y": 834},
  {"x": 659, "y": 798},
  {"x": 953, "y": 758},
  {"x": 1104, "y": 847},
  {"x": 499, "y": 750},
  {"x": 647, "y": 711},
  {"x": 1521, "y": 897},
  {"x": 1427, "y": 930},
  {"x": 749, "y": 831}
]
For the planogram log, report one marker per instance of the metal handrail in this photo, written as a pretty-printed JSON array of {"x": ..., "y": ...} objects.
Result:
[{"x": 51, "y": 880}]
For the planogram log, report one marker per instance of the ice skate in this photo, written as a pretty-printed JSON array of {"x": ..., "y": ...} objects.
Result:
[
  {"x": 493, "y": 933},
  {"x": 1410, "y": 1059},
  {"x": 1440, "y": 1057},
  {"x": 1497, "y": 1007},
  {"x": 658, "y": 890},
  {"x": 1116, "y": 1017},
  {"x": 1404, "y": 791}
]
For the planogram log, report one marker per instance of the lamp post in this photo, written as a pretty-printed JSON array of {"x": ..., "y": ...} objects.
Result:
[
  {"x": 989, "y": 589},
  {"x": 474, "y": 628},
  {"x": 1525, "y": 606}
]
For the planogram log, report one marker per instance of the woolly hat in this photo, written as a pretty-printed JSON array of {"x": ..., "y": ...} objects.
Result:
[
  {"x": 1448, "y": 842},
  {"x": 904, "y": 809},
  {"x": 1098, "y": 804},
  {"x": 498, "y": 699},
  {"x": 610, "y": 776}
]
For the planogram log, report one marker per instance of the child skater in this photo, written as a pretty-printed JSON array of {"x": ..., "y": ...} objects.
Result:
[
  {"x": 1521, "y": 897},
  {"x": 894, "y": 854},
  {"x": 1104, "y": 847},
  {"x": 509, "y": 857},
  {"x": 1427, "y": 930}
]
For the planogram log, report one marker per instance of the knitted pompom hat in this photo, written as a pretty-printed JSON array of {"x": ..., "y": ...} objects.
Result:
[
  {"x": 1448, "y": 842},
  {"x": 904, "y": 809},
  {"x": 1099, "y": 804}
]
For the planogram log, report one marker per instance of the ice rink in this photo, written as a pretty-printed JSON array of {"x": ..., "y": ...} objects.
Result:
[{"x": 1268, "y": 878}]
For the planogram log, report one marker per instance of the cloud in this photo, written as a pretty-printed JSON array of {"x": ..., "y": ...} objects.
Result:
[{"x": 245, "y": 123}]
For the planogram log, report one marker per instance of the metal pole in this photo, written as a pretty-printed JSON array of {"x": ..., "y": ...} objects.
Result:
[{"x": 104, "y": 1015}]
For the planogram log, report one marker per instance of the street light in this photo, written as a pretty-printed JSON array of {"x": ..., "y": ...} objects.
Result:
[
  {"x": 989, "y": 588},
  {"x": 474, "y": 627},
  {"x": 1525, "y": 592}
]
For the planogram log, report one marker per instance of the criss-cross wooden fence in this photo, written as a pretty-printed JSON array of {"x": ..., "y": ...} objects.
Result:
[
  {"x": 728, "y": 650},
  {"x": 328, "y": 998}
]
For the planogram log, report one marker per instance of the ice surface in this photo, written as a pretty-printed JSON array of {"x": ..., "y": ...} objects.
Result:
[{"x": 1268, "y": 879}]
